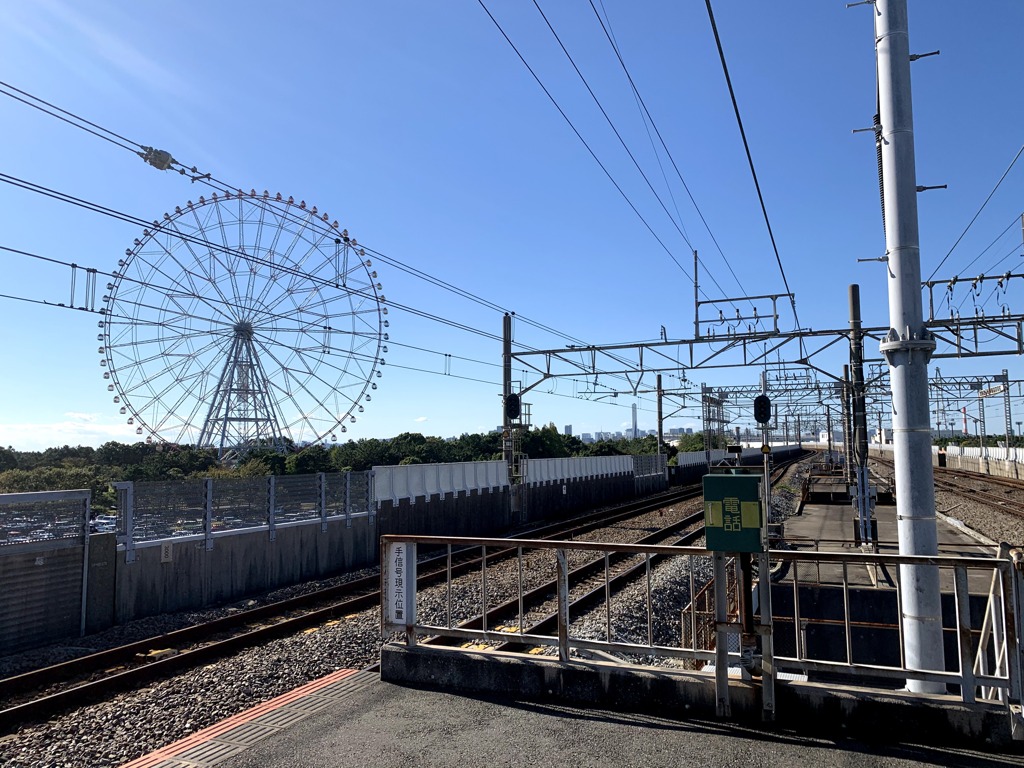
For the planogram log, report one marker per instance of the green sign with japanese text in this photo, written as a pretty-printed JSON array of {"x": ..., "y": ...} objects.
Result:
[{"x": 732, "y": 512}]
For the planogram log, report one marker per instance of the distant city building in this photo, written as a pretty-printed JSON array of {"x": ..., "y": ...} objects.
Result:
[
  {"x": 586, "y": 437},
  {"x": 568, "y": 430}
]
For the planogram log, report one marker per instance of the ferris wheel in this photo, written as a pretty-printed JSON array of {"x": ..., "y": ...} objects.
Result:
[{"x": 243, "y": 320}]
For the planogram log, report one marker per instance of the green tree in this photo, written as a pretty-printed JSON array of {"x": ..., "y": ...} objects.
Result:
[
  {"x": 8, "y": 459},
  {"x": 308, "y": 461},
  {"x": 478, "y": 447},
  {"x": 360, "y": 455},
  {"x": 544, "y": 443},
  {"x": 94, "y": 478}
]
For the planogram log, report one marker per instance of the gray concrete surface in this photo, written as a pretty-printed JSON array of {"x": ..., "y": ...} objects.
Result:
[{"x": 383, "y": 725}]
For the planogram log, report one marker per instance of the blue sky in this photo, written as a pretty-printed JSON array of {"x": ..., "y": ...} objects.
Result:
[{"x": 417, "y": 127}]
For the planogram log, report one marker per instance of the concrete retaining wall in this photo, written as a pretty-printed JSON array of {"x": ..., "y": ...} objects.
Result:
[
  {"x": 986, "y": 466},
  {"x": 824, "y": 711},
  {"x": 552, "y": 500},
  {"x": 473, "y": 513}
]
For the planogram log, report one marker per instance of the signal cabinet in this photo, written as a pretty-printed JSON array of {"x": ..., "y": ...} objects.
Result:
[{"x": 732, "y": 512}]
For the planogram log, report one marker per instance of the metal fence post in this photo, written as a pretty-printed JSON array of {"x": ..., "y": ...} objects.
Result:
[
  {"x": 963, "y": 634},
  {"x": 86, "y": 509},
  {"x": 208, "y": 516},
  {"x": 348, "y": 499},
  {"x": 126, "y": 511},
  {"x": 767, "y": 630},
  {"x": 321, "y": 499},
  {"x": 722, "y": 706},
  {"x": 562, "y": 565},
  {"x": 371, "y": 497},
  {"x": 1013, "y": 608},
  {"x": 271, "y": 504}
]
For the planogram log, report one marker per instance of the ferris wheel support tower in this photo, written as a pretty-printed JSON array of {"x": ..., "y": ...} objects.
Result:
[{"x": 242, "y": 414}]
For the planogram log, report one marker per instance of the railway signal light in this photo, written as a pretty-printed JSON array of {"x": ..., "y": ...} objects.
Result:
[
  {"x": 762, "y": 409},
  {"x": 513, "y": 408}
]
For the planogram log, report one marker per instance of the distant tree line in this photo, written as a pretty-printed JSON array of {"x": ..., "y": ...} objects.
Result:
[{"x": 97, "y": 468}]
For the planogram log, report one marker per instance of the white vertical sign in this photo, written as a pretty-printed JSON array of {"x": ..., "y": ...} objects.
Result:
[{"x": 401, "y": 583}]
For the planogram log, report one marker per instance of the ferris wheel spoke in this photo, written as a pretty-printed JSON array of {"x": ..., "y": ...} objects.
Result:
[
  {"x": 234, "y": 248},
  {"x": 169, "y": 353},
  {"x": 195, "y": 280},
  {"x": 313, "y": 250},
  {"x": 175, "y": 376},
  {"x": 301, "y": 383},
  {"x": 186, "y": 239},
  {"x": 216, "y": 257}
]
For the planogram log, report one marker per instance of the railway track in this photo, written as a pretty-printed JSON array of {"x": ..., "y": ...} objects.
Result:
[
  {"x": 41, "y": 694},
  {"x": 593, "y": 582},
  {"x": 977, "y": 488},
  {"x": 954, "y": 482}
]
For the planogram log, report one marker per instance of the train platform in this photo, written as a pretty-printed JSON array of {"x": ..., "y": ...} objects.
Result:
[
  {"x": 829, "y": 527},
  {"x": 420, "y": 711},
  {"x": 352, "y": 718}
]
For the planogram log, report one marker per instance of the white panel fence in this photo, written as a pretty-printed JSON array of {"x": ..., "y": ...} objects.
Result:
[
  {"x": 408, "y": 481},
  {"x": 579, "y": 468}
]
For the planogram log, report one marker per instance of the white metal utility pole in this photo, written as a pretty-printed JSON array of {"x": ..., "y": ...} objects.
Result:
[{"x": 907, "y": 347}]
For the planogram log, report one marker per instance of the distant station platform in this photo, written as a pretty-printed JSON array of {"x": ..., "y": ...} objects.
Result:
[{"x": 833, "y": 527}]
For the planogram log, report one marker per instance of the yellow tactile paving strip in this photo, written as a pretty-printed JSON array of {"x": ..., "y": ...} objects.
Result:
[{"x": 218, "y": 742}]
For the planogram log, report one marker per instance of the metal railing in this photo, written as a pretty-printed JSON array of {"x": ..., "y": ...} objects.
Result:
[
  {"x": 831, "y": 615},
  {"x": 207, "y": 508}
]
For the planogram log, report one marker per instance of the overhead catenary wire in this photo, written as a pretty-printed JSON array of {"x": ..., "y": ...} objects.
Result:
[
  {"x": 750, "y": 160},
  {"x": 976, "y": 215},
  {"x": 576, "y": 131},
  {"x": 611, "y": 124},
  {"x": 677, "y": 224},
  {"x": 606, "y": 28}
]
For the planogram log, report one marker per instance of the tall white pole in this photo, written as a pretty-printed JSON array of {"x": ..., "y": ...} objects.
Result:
[{"x": 907, "y": 347}]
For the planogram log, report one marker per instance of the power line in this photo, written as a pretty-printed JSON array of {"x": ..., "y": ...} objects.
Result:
[
  {"x": 1014, "y": 222},
  {"x": 100, "y": 132},
  {"x": 580, "y": 137},
  {"x": 97, "y": 208},
  {"x": 750, "y": 160},
  {"x": 650, "y": 119},
  {"x": 982, "y": 208},
  {"x": 143, "y": 151},
  {"x": 611, "y": 124},
  {"x": 166, "y": 161}
]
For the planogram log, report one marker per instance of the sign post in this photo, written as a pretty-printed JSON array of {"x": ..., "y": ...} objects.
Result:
[{"x": 400, "y": 589}]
